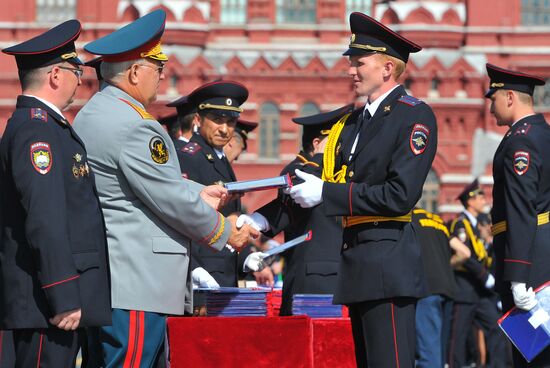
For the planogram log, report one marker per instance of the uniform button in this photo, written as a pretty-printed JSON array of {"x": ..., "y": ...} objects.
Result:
[
  {"x": 345, "y": 246},
  {"x": 375, "y": 223},
  {"x": 351, "y": 174}
]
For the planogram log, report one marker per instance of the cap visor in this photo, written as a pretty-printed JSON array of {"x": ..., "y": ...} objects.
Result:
[
  {"x": 75, "y": 61},
  {"x": 228, "y": 113},
  {"x": 352, "y": 51},
  {"x": 490, "y": 92}
]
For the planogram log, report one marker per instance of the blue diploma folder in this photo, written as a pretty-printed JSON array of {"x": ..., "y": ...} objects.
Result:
[{"x": 529, "y": 331}]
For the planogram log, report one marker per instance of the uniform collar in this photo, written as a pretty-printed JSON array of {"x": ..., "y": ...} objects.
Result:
[
  {"x": 49, "y": 104},
  {"x": 471, "y": 218},
  {"x": 373, "y": 106}
]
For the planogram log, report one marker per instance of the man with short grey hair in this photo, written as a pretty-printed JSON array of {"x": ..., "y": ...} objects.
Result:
[{"x": 151, "y": 213}]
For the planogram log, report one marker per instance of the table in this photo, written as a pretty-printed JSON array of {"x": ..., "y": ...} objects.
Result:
[{"x": 297, "y": 341}]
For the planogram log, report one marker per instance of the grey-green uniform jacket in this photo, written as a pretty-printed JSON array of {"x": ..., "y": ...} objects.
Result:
[{"x": 151, "y": 212}]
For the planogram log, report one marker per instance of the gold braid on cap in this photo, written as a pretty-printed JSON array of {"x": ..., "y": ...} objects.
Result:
[
  {"x": 205, "y": 106},
  {"x": 70, "y": 55},
  {"x": 368, "y": 47}
]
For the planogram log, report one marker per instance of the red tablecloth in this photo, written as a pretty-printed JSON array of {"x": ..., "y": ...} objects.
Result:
[{"x": 260, "y": 342}]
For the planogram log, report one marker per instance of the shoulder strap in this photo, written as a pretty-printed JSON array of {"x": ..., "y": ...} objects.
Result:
[{"x": 144, "y": 114}]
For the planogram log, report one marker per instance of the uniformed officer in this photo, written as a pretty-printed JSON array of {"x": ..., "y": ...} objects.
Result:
[
  {"x": 180, "y": 126},
  {"x": 53, "y": 263},
  {"x": 521, "y": 194},
  {"x": 433, "y": 312},
  {"x": 218, "y": 109},
  {"x": 312, "y": 268},
  {"x": 151, "y": 213},
  {"x": 239, "y": 142},
  {"x": 375, "y": 164},
  {"x": 475, "y": 300}
]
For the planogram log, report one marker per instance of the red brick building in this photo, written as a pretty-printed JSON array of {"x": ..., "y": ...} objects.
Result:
[{"x": 288, "y": 53}]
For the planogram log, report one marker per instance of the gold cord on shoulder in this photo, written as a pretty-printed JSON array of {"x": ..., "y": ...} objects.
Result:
[{"x": 329, "y": 156}]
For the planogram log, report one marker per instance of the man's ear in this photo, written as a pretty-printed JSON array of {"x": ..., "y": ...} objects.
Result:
[
  {"x": 197, "y": 120},
  {"x": 55, "y": 77},
  {"x": 134, "y": 74}
]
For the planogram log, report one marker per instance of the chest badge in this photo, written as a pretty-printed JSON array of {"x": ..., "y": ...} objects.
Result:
[
  {"x": 41, "y": 157},
  {"x": 387, "y": 108},
  {"x": 159, "y": 151},
  {"x": 77, "y": 157},
  {"x": 209, "y": 157},
  {"x": 521, "y": 162},
  {"x": 419, "y": 138}
]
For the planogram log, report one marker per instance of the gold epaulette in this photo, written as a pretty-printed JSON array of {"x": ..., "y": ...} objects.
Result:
[
  {"x": 500, "y": 227},
  {"x": 305, "y": 161},
  {"x": 141, "y": 111},
  {"x": 329, "y": 156}
]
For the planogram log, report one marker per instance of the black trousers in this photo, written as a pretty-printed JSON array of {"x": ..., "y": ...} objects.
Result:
[
  {"x": 46, "y": 348},
  {"x": 384, "y": 332},
  {"x": 485, "y": 313}
]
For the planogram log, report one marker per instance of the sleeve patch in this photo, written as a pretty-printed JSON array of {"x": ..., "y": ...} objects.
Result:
[
  {"x": 419, "y": 138},
  {"x": 39, "y": 114},
  {"x": 191, "y": 148},
  {"x": 409, "y": 100},
  {"x": 41, "y": 157},
  {"x": 521, "y": 162},
  {"x": 159, "y": 151}
]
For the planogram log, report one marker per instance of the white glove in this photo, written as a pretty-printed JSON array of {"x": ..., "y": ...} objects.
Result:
[
  {"x": 490, "y": 282},
  {"x": 309, "y": 193},
  {"x": 201, "y": 278},
  {"x": 523, "y": 298},
  {"x": 254, "y": 262},
  {"x": 256, "y": 220}
]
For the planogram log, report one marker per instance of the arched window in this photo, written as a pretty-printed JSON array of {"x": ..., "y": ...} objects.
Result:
[
  {"x": 430, "y": 193},
  {"x": 233, "y": 11},
  {"x": 269, "y": 131},
  {"x": 55, "y": 11},
  {"x": 309, "y": 108},
  {"x": 296, "y": 11}
]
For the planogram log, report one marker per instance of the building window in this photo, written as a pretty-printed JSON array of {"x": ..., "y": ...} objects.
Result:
[
  {"x": 430, "y": 193},
  {"x": 541, "y": 97},
  {"x": 269, "y": 131},
  {"x": 49, "y": 11},
  {"x": 233, "y": 11},
  {"x": 296, "y": 11},
  {"x": 363, "y": 6},
  {"x": 308, "y": 109},
  {"x": 535, "y": 12}
]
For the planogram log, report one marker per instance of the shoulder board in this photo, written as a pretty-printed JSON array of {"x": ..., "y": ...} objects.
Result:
[
  {"x": 418, "y": 211},
  {"x": 191, "y": 148},
  {"x": 409, "y": 100},
  {"x": 39, "y": 114},
  {"x": 523, "y": 130},
  {"x": 144, "y": 114}
]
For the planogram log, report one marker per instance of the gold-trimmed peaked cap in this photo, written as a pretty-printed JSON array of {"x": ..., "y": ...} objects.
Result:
[
  {"x": 220, "y": 97},
  {"x": 139, "y": 39},
  {"x": 244, "y": 127},
  {"x": 369, "y": 36},
  {"x": 510, "y": 79},
  {"x": 322, "y": 122},
  {"x": 54, "y": 46},
  {"x": 471, "y": 190}
]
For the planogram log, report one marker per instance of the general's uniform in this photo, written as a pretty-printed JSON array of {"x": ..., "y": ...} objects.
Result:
[
  {"x": 53, "y": 247},
  {"x": 473, "y": 301},
  {"x": 199, "y": 162},
  {"x": 433, "y": 311},
  {"x": 381, "y": 274},
  {"x": 151, "y": 213},
  {"x": 521, "y": 199},
  {"x": 311, "y": 268}
]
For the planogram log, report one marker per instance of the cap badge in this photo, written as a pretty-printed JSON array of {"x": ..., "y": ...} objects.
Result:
[
  {"x": 159, "y": 152},
  {"x": 229, "y": 102},
  {"x": 497, "y": 85},
  {"x": 41, "y": 157}
]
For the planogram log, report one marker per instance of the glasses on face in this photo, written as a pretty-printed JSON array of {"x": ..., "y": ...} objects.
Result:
[
  {"x": 158, "y": 69},
  {"x": 77, "y": 71}
]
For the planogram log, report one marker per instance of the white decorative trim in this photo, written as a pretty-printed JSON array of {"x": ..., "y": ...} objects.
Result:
[
  {"x": 288, "y": 106},
  {"x": 177, "y": 7},
  {"x": 436, "y": 8}
]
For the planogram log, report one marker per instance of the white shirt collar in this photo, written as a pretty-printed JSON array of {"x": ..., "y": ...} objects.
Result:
[
  {"x": 183, "y": 139},
  {"x": 219, "y": 153},
  {"x": 471, "y": 218},
  {"x": 49, "y": 104},
  {"x": 373, "y": 106}
]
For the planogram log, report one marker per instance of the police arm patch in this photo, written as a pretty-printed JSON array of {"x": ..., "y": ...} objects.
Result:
[
  {"x": 419, "y": 138},
  {"x": 521, "y": 162},
  {"x": 40, "y": 114},
  {"x": 41, "y": 157},
  {"x": 159, "y": 151}
]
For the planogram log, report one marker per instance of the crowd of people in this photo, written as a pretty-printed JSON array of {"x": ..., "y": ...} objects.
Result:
[{"x": 109, "y": 223}]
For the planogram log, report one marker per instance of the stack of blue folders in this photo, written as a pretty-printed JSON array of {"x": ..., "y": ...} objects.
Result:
[
  {"x": 529, "y": 331},
  {"x": 236, "y": 302},
  {"x": 315, "y": 306}
]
